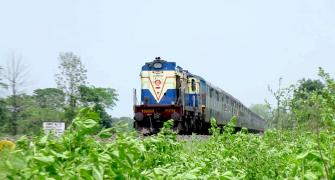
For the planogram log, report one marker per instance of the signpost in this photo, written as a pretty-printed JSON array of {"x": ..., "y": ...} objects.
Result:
[{"x": 57, "y": 127}]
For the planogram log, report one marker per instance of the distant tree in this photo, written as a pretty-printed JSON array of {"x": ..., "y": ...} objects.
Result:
[
  {"x": 3, "y": 109},
  {"x": 72, "y": 75},
  {"x": 51, "y": 98},
  {"x": 34, "y": 112},
  {"x": 306, "y": 87},
  {"x": 43, "y": 105},
  {"x": 3, "y": 116},
  {"x": 15, "y": 77},
  {"x": 106, "y": 97},
  {"x": 262, "y": 110},
  {"x": 102, "y": 99},
  {"x": 26, "y": 117},
  {"x": 303, "y": 108}
]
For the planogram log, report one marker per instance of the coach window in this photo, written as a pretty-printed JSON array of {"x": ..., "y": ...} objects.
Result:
[
  {"x": 211, "y": 92},
  {"x": 217, "y": 96}
]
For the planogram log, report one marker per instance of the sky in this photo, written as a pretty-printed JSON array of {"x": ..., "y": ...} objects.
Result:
[{"x": 241, "y": 46}]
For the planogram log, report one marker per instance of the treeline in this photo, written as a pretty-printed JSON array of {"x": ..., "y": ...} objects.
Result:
[
  {"x": 22, "y": 113},
  {"x": 309, "y": 104}
]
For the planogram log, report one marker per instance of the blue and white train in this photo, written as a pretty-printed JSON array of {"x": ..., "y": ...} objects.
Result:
[{"x": 169, "y": 92}]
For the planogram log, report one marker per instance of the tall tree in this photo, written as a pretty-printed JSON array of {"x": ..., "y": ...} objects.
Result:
[
  {"x": 3, "y": 109},
  {"x": 102, "y": 99},
  {"x": 3, "y": 116},
  {"x": 72, "y": 74},
  {"x": 16, "y": 78}
]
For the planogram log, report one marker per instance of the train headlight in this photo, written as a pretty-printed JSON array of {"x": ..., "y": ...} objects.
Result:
[{"x": 158, "y": 65}]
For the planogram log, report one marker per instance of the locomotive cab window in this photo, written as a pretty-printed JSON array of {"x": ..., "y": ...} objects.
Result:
[{"x": 193, "y": 85}]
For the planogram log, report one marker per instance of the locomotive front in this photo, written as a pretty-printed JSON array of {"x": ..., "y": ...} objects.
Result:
[{"x": 159, "y": 96}]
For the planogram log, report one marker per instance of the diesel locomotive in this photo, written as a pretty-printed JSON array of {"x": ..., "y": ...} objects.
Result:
[{"x": 170, "y": 92}]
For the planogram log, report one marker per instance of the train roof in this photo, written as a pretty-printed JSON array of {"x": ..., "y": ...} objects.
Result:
[
  {"x": 164, "y": 65},
  {"x": 213, "y": 86}
]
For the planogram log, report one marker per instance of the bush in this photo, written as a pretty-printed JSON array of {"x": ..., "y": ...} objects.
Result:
[{"x": 80, "y": 154}]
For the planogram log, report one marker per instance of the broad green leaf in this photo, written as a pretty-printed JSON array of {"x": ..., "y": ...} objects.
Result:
[
  {"x": 189, "y": 176},
  {"x": 43, "y": 140},
  {"x": 310, "y": 176},
  {"x": 45, "y": 159},
  {"x": 97, "y": 174},
  {"x": 89, "y": 123},
  {"x": 59, "y": 155},
  {"x": 106, "y": 133},
  {"x": 229, "y": 176}
]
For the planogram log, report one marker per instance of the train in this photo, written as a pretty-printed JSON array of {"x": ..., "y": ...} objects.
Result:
[{"x": 170, "y": 92}]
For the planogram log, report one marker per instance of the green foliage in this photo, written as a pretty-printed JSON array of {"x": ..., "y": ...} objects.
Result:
[
  {"x": 307, "y": 87},
  {"x": 24, "y": 114},
  {"x": 119, "y": 154},
  {"x": 79, "y": 155},
  {"x": 124, "y": 120},
  {"x": 50, "y": 98},
  {"x": 105, "y": 97},
  {"x": 86, "y": 122},
  {"x": 101, "y": 99},
  {"x": 49, "y": 105},
  {"x": 308, "y": 105},
  {"x": 31, "y": 112},
  {"x": 3, "y": 116},
  {"x": 85, "y": 151},
  {"x": 15, "y": 77},
  {"x": 18, "y": 107},
  {"x": 280, "y": 115},
  {"x": 313, "y": 104}
]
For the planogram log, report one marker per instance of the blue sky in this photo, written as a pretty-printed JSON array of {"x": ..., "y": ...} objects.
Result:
[{"x": 241, "y": 46}]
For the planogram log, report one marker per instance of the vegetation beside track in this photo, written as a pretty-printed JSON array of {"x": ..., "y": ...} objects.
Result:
[{"x": 226, "y": 155}]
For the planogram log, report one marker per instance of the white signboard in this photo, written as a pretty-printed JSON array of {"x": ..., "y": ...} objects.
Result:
[{"x": 57, "y": 127}]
